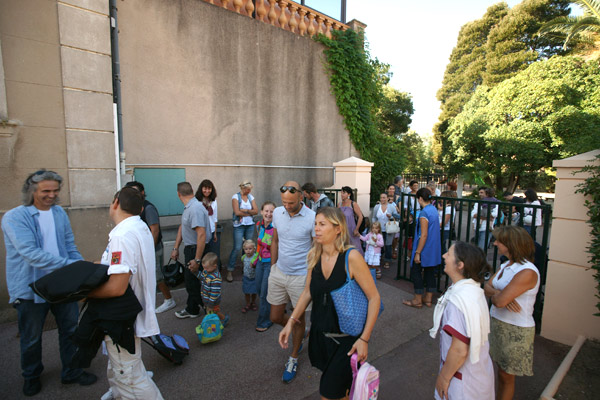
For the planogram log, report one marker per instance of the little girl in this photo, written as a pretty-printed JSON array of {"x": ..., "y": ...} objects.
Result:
[
  {"x": 250, "y": 258},
  {"x": 374, "y": 240}
]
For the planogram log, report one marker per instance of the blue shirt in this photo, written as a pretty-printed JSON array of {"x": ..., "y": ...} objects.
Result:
[
  {"x": 431, "y": 255},
  {"x": 26, "y": 261},
  {"x": 294, "y": 239}
]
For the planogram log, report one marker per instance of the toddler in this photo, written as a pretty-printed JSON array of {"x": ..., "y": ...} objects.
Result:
[
  {"x": 249, "y": 259},
  {"x": 374, "y": 241},
  {"x": 210, "y": 279}
]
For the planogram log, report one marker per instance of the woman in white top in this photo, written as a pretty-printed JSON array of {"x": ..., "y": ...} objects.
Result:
[
  {"x": 207, "y": 195},
  {"x": 513, "y": 290},
  {"x": 531, "y": 197},
  {"x": 383, "y": 213},
  {"x": 244, "y": 208},
  {"x": 462, "y": 318},
  {"x": 446, "y": 215}
]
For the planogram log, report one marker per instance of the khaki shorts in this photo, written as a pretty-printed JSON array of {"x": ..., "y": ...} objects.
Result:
[{"x": 285, "y": 288}]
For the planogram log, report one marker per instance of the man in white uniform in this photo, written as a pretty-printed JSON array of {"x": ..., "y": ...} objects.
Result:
[{"x": 130, "y": 254}]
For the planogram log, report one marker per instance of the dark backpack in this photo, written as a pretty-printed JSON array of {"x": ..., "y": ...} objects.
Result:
[{"x": 173, "y": 348}]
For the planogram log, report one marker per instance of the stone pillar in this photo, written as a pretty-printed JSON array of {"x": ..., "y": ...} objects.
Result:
[
  {"x": 570, "y": 301},
  {"x": 357, "y": 26},
  {"x": 84, "y": 37},
  {"x": 355, "y": 173}
]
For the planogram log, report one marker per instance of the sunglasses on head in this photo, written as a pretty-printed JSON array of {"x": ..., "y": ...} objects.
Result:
[{"x": 291, "y": 189}]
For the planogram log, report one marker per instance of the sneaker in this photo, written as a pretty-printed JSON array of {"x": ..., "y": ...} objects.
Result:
[
  {"x": 32, "y": 386},
  {"x": 226, "y": 320},
  {"x": 229, "y": 276},
  {"x": 85, "y": 379},
  {"x": 166, "y": 306},
  {"x": 184, "y": 314},
  {"x": 290, "y": 370},
  {"x": 108, "y": 395}
]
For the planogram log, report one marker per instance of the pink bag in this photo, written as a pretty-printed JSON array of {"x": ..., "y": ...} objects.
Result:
[{"x": 365, "y": 381}]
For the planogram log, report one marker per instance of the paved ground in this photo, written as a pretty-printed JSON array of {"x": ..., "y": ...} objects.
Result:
[{"x": 248, "y": 365}]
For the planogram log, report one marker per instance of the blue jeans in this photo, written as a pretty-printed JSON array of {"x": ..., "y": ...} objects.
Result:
[
  {"x": 240, "y": 233},
  {"x": 263, "y": 269},
  {"x": 31, "y": 317},
  {"x": 416, "y": 275},
  {"x": 481, "y": 242}
]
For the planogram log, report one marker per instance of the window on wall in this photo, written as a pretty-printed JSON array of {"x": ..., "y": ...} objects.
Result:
[{"x": 160, "y": 185}]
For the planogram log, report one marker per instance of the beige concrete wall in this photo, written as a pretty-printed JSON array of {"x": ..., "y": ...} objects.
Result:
[
  {"x": 205, "y": 86},
  {"x": 570, "y": 300},
  {"x": 56, "y": 78}
]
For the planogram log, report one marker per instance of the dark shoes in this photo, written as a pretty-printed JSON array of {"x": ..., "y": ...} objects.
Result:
[
  {"x": 31, "y": 387},
  {"x": 84, "y": 379}
]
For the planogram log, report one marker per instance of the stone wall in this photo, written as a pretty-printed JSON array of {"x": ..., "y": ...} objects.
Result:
[{"x": 570, "y": 302}]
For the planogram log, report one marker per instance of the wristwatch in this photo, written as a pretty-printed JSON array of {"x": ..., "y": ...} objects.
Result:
[{"x": 198, "y": 261}]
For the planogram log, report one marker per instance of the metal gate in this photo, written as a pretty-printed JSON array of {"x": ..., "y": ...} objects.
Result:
[{"x": 462, "y": 228}]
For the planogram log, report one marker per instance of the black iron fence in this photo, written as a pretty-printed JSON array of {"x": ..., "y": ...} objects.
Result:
[
  {"x": 333, "y": 194},
  {"x": 473, "y": 220},
  {"x": 440, "y": 180}
]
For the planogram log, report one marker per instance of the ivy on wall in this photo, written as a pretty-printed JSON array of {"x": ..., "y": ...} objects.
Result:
[
  {"x": 357, "y": 84},
  {"x": 591, "y": 187}
]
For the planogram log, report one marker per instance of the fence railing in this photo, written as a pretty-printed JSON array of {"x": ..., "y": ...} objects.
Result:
[
  {"x": 284, "y": 14},
  {"x": 536, "y": 219},
  {"x": 440, "y": 180},
  {"x": 334, "y": 196}
]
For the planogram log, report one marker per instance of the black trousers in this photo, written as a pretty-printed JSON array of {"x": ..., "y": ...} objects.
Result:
[{"x": 192, "y": 283}]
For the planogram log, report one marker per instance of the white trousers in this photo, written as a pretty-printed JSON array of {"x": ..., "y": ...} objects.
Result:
[{"x": 127, "y": 375}]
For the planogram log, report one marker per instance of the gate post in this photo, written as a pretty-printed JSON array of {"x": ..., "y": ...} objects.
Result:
[{"x": 355, "y": 173}]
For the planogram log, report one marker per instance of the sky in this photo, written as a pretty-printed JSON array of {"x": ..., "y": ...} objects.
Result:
[{"x": 416, "y": 38}]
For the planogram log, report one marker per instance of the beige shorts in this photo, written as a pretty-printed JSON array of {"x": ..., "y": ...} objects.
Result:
[{"x": 285, "y": 288}]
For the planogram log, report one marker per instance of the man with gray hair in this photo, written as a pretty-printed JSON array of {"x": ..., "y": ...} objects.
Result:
[
  {"x": 399, "y": 183},
  {"x": 39, "y": 239}
]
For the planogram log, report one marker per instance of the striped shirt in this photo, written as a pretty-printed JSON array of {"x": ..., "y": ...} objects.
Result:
[{"x": 211, "y": 287}]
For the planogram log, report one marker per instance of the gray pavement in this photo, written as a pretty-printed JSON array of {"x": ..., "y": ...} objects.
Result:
[{"x": 245, "y": 364}]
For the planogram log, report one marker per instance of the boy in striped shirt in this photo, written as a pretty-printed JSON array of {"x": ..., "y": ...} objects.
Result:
[{"x": 211, "y": 281}]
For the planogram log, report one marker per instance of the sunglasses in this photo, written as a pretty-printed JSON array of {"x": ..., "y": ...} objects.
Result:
[{"x": 291, "y": 189}]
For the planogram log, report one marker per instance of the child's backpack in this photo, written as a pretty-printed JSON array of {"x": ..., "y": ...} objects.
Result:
[
  {"x": 210, "y": 329},
  {"x": 173, "y": 348},
  {"x": 365, "y": 381}
]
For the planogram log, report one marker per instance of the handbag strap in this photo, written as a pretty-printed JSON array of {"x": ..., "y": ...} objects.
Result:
[{"x": 346, "y": 262}]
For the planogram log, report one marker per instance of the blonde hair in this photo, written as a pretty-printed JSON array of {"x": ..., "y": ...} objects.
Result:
[
  {"x": 376, "y": 224},
  {"x": 249, "y": 242},
  {"x": 210, "y": 259},
  {"x": 342, "y": 243},
  {"x": 246, "y": 184}
]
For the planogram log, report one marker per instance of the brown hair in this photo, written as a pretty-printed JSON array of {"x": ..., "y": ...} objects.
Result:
[
  {"x": 518, "y": 242},
  {"x": 210, "y": 258},
  {"x": 473, "y": 258},
  {"x": 185, "y": 189}
]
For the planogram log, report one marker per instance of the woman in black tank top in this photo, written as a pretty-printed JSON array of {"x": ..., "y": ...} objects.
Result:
[{"x": 328, "y": 348}]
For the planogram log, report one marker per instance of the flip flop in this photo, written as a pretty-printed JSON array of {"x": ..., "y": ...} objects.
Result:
[
  {"x": 253, "y": 306},
  {"x": 246, "y": 308},
  {"x": 410, "y": 303},
  {"x": 261, "y": 329}
]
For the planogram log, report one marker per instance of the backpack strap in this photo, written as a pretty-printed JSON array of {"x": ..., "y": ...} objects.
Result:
[{"x": 354, "y": 364}]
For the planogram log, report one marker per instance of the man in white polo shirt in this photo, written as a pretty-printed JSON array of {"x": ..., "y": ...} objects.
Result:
[
  {"x": 131, "y": 260},
  {"x": 293, "y": 230}
]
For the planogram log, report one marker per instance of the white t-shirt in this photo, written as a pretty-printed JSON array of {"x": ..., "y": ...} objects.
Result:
[
  {"x": 538, "y": 213},
  {"x": 448, "y": 212},
  {"x": 244, "y": 205},
  {"x": 214, "y": 217},
  {"x": 523, "y": 318},
  {"x": 131, "y": 249},
  {"x": 48, "y": 229}
]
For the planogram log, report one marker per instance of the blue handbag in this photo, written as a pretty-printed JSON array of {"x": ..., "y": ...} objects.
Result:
[{"x": 351, "y": 305}]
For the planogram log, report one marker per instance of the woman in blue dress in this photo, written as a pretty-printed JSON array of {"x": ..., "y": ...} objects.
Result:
[{"x": 426, "y": 253}]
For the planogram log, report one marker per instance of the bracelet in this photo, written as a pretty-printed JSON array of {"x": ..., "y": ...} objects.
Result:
[
  {"x": 294, "y": 319},
  {"x": 175, "y": 248},
  {"x": 366, "y": 341}
]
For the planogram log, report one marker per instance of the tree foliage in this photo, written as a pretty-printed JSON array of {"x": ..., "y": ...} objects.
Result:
[
  {"x": 358, "y": 82},
  {"x": 550, "y": 110},
  {"x": 419, "y": 156},
  {"x": 491, "y": 50},
  {"x": 570, "y": 27}
]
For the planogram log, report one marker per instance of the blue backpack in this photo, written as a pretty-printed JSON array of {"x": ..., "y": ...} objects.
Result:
[{"x": 210, "y": 329}]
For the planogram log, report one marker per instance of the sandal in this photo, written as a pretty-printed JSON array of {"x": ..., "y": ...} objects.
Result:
[
  {"x": 254, "y": 307},
  {"x": 378, "y": 273},
  {"x": 386, "y": 265},
  {"x": 246, "y": 308},
  {"x": 427, "y": 301},
  {"x": 411, "y": 303},
  {"x": 261, "y": 329}
]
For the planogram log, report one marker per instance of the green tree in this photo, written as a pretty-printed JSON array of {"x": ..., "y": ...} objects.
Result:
[
  {"x": 464, "y": 72},
  {"x": 490, "y": 50},
  {"x": 419, "y": 157},
  {"x": 569, "y": 27},
  {"x": 513, "y": 44},
  {"x": 395, "y": 111},
  {"x": 550, "y": 110}
]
